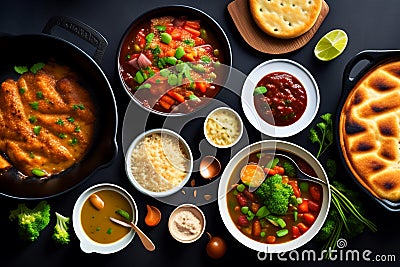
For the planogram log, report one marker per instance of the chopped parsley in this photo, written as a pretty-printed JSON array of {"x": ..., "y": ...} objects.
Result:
[
  {"x": 32, "y": 119},
  {"x": 21, "y": 69},
  {"x": 160, "y": 28},
  {"x": 36, "y": 129},
  {"x": 34, "y": 105},
  {"x": 60, "y": 122},
  {"x": 259, "y": 90},
  {"x": 77, "y": 129},
  {"x": 74, "y": 141},
  {"x": 206, "y": 59},
  {"x": 78, "y": 106},
  {"x": 70, "y": 119},
  {"x": 36, "y": 67},
  {"x": 39, "y": 95},
  {"x": 22, "y": 90},
  {"x": 62, "y": 135},
  {"x": 189, "y": 42}
]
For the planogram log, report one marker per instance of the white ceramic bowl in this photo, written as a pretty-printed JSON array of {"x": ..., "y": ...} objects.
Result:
[
  {"x": 304, "y": 77},
  {"x": 133, "y": 179},
  {"x": 197, "y": 212},
  {"x": 234, "y": 115},
  {"x": 86, "y": 243},
  {"x": 227, "y": 180}
]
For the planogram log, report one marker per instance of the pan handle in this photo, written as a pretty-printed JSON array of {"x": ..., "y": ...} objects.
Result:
[
  {"x": 82, "y": 30},
  {"x": 372, "y": 57}
]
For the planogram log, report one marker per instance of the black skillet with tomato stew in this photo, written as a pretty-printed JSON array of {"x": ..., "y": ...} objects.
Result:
[
  {"x": 269, "y": 204},
  {"x": 171, "y": 62}
]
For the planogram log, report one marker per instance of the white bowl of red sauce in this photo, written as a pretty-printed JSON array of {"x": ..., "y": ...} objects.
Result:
[
  {"x": 280, "y": 97},
  {"x": 259, "y": 221}
]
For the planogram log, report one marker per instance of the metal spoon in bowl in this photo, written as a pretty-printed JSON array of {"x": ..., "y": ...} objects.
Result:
[
  {"x": 147, "y": 243},
  {"x": 300, "y": 174}
]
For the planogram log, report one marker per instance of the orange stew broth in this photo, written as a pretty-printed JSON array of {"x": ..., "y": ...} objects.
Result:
[
  {"x": 236, "y": 200},
  {"x": 162, "y": 40}
]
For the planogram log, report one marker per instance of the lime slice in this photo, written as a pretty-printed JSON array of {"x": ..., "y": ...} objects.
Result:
[{"x": 331, "y": 45}]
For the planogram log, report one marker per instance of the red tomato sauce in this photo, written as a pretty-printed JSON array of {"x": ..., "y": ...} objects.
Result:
[{"x": 285, "y": 100}]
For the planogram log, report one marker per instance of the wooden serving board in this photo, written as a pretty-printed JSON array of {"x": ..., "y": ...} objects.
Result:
[{"x": 259, "y": 40}]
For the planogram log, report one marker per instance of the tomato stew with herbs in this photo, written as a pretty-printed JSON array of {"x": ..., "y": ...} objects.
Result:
[
  {"x": 280, "y": 99},
  {"x": 170, "y": 64},
  {"x": 278, "y": 209}
]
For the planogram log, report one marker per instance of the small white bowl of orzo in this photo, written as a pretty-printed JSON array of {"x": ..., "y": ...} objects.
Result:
[{"x": 158, "y": 162}]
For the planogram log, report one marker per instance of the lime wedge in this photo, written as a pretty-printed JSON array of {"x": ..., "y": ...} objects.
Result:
[{"x": 331, "y": 45}]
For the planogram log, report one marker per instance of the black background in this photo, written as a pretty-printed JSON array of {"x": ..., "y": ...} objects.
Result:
[{"x": 370, "y": 24}]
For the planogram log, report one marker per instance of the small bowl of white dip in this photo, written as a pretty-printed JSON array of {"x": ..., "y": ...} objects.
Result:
[
  {"x": 186, "y": 223},
  {"x": 223, "y": 127}
]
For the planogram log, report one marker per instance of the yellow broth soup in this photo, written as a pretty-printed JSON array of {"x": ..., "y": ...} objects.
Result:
[{"x": 96, "y": 222}]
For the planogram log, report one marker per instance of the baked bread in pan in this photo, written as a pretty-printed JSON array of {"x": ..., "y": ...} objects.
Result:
[{"x": 369, "y": 131}]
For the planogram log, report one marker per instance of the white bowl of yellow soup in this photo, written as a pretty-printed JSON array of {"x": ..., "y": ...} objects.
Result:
[{"x": 95, "y": 231}]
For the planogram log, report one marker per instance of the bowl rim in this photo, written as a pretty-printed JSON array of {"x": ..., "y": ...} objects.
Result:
[
  {"x": 302, "y": 74},
  {"x": 88, "y": 245},
  {"x": 159, "y": 9},
  {"x": 202, "y": 219},
  {"x": 128, "y": 163},
  {"x": 224, "y": 183},
  {"x": 240, "y": 122}
]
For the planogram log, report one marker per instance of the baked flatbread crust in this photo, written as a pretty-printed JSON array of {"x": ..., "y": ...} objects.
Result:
[
  {"x": 369, "y": 131},
  {"x": 285, "y": 18}
]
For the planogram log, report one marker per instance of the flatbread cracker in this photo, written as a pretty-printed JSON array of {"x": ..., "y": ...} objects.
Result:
[{"x": 285, "y": 18}]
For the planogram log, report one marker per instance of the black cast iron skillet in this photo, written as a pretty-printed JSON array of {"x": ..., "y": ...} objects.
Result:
[
  {"x": 369, "y": 59},
  {"x": 177, "y": 11},
  {"x": 26, "y": 50}
]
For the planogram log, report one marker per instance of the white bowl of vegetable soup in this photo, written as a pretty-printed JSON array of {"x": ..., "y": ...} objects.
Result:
[{"x": 263, "y": 202}]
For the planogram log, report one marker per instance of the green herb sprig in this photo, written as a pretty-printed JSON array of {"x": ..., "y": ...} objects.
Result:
[{"x": 322, "y": 134}]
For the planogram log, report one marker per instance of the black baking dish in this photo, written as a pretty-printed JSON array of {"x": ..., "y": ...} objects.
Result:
[{"x": 355, "y": 70}]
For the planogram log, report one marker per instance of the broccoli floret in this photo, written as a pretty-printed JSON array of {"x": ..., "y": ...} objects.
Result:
[
  {"x": 326, "y": 230},
  {"x": 290, "y": 170},
  {"x": 31, "y": 221},
  {"x": 61, "y": 234},
  {"x": 275, "y": 194}
]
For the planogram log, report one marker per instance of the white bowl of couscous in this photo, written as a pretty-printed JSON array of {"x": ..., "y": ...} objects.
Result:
[
  {"x": 158, "y": 162},
  {"x": 223, "y": 127}
]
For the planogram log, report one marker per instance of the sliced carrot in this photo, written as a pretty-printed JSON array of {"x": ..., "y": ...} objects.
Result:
[
  {"x": 195, "y": 24},
  {"x": 271, "y": 239},
  {"x": 202, "y": 86},
  {"x": 308, "y": 218},
  {"x": 303, "y": 207},
  {"x": 199, "y": 41},
  {"x": 168, "y": 99},
  {"x": 188, "y": 57},
  {"x": 295, "y": 231},
  {"x": 302, "y": 227},
  {"x": 296, "y": 189},
  {"x": 178, "y": 97},
  {"x": 279, "y": 170},
  {"x": 164, "y": 104},
  {"x": 193, "y": 32},
  {"x": 269, "y": 171}
]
